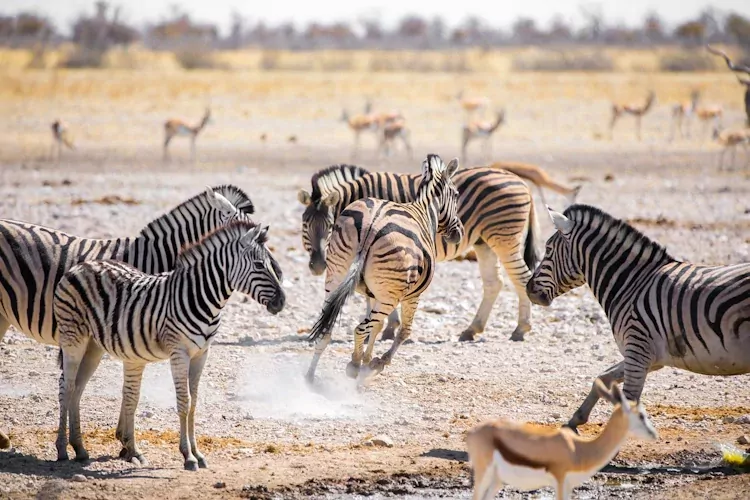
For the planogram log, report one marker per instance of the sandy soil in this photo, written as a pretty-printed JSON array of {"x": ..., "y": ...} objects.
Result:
[{"x": 265, "y": 433}]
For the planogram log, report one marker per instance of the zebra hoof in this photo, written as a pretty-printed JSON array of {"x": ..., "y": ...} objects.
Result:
[
  {"x": 388, "y": 334},
  {"x": 82, "y": 456},
  {"x": 517, "y": 336},
  {"x": 352, "y": 370},
  {"x": 202, "y": 462},
  {"x": 468, "y": 336},
  {"x": 376, "y": 366},
  {"x": 191, "y": 465},
  {"x": 123, "y": 453},
  {"x": 573, "y": 427},
  {"x": 63, "y": 457}
]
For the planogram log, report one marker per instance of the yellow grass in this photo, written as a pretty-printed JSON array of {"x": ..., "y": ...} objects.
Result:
[{"x": 467, "y": 60}]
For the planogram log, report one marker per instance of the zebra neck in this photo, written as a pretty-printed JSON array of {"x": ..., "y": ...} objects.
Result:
[
  {"x": 203, "y": 282},
  {"x": 616, "y": 265},
  {"x": 427, "y": 203}
]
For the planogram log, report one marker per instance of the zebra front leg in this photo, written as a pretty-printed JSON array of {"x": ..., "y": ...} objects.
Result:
[
  {"x": 408, "y": 309},
  {"x": 131, "y": 393},
  {"x": 196, "y": 368},
  {"x": 491, "y": 285},
  {"x": 86, "y": 369},
  {"x": 614, "y": 373},
  {"x": 180, "y": 362}
]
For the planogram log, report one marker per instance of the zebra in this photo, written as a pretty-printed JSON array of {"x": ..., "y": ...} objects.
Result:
[
  {"x": 663, "y": 312},
  {"x": 386, "y": 251},
  {"x": 34, "y": 258},
  {"x": 112, "y": 307},
  {"x": 495, "y": 207}
]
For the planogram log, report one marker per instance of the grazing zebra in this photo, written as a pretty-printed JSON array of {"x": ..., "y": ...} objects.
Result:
[
  {"x": 33, "y": 258},
  {"x": 663, "y": 312},
  {"x": 112, "y": 307},
  {"x": 387, "y": 251},
  {"x": 495, "y": 207}
]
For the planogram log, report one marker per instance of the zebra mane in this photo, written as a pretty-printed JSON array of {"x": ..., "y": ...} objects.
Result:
[
  {"x": 324, "y": 181},
  {"x": 629, "y": 236},
  {"x": 235, "y": 195},
  {"x": 228, "y": 232}
]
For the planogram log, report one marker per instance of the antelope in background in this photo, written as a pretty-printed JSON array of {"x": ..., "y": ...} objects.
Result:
[
  {"x": 529, "y": 458},
  {"x": 541, "y": 179},
  {"x": 682, "y": 115},
  {"x": 374, "y": 122},
  {"x": 176, "y": 127},
  {"x": 472, "y": 105},
  {"x": 481, "y": 129},
  {"x": 635, "y": 109},
  {"x": 392, "y": 131},
  {"x": 731, "y": 139},
  {"x": 61, "y": 136},
  {"x": 359, "y": 123},
  {"x": 737, "y": 68}
]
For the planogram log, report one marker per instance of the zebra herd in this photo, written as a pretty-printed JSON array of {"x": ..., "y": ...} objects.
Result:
[{"x": 160, "y": 295}]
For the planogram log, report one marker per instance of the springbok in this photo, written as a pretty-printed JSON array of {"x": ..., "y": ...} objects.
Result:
[
  {"x": 541, "y": 179},
  {"x": 635, "y": 109},
  {"x": 731, "y": 139},
  {"x": 682, "y": 114},
  {"x": 359, "y": 123},
  {"x": 176, "y": 127},
  {"x": 392, "y": 131},
  {"x": 472, "y": 104},
  {"x": 530, "y": 458},
  {"x": 481, "y": 129},
  {"x": 61, "y": 136}
]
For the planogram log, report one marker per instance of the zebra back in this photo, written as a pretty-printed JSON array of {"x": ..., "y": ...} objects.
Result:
[{"x": 34, "y": 258}]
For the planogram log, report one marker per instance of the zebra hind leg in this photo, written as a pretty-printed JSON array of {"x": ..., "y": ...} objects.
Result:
[
  {"x": 394, "y": 322},
  {"x": 131, "y": 393},
  {"x": 491, "y": 285},
  {"x": 408, "y": 309},
  {"x": 72, "y": 356},
  {"x": 86, "y": 369},
  {"x": 368, "y": 329},
  {"x": 180, "y": 362},
  {"x": 196, "y": 368},
  {"x": 4, "y": 439}
]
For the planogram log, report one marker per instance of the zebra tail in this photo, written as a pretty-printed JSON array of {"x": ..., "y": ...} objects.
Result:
[
  {"x": 336, "y": 300},
  {"x": 60, "y": 358},
  {"x": 530, "y": 255}
]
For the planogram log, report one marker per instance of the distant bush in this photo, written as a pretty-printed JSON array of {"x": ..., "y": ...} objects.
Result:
[
  {"x": 686, "y": 61},
  {"x": 564, "y": 61},
  {"x": 198, "y": 58},
  {"x": 82, "y": 57},
  {"x": 418, "y": 63}
]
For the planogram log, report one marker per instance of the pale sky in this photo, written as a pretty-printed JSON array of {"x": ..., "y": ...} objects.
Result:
[{"x": 495, "y": 12}]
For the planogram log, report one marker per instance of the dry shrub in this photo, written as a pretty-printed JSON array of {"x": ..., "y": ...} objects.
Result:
[
  {"x": 198, "y": 58},
  {"x": 564, "y": 61},
  {"x": 686, "y": 61},
  {"x": 82, "y": 57},
  {"x": 419, "y": 62}
]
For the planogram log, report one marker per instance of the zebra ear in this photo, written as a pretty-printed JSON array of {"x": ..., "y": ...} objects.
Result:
[
  {"x": 452, "y": 167},
  {"x": 304, "y": 197},
  {"x": 331, "y": 199},
  {"x": 219, "y": 202},
  {"x": 562, "y": 223},
  {"x": 430, "y": 165},
  {"x": 257, "y": 235}
]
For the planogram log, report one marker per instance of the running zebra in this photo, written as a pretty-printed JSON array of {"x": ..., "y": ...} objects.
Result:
[
  {"x": 663, "y": 312},
  {"x": 495, "y": 207},
  {"x": 387, "y": 252},
  {"x": 34, "y": 258},
  {"x": 112, "y": 307}
]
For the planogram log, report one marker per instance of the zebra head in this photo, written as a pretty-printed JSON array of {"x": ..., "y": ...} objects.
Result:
[
  {"x": 441, "y": 176},
  {"x": 317, "y": 225},
  {"x": 559, "y": 272},
  {"x": 254, "y": 272}
]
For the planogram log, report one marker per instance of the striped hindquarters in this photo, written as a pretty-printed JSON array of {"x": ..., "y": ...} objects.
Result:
[
  {"x": 122, "y": 308},
  {"x": 33, "y": 259}
]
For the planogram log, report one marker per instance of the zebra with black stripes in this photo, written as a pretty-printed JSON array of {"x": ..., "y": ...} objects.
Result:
[
  {"x": 33, "y": 258},
  {"x": 111, "y": 307},
  {"x": 387, "y": 252},
  {"x": 663, "y": 312},
  {"x": 494, "y": 205}
]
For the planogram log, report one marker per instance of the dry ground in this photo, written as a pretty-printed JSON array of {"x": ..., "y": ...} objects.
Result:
[{"x": 265, "y": 432}]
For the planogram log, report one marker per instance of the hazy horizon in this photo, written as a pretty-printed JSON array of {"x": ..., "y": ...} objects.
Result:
[{"x": 500, "y": 14}]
